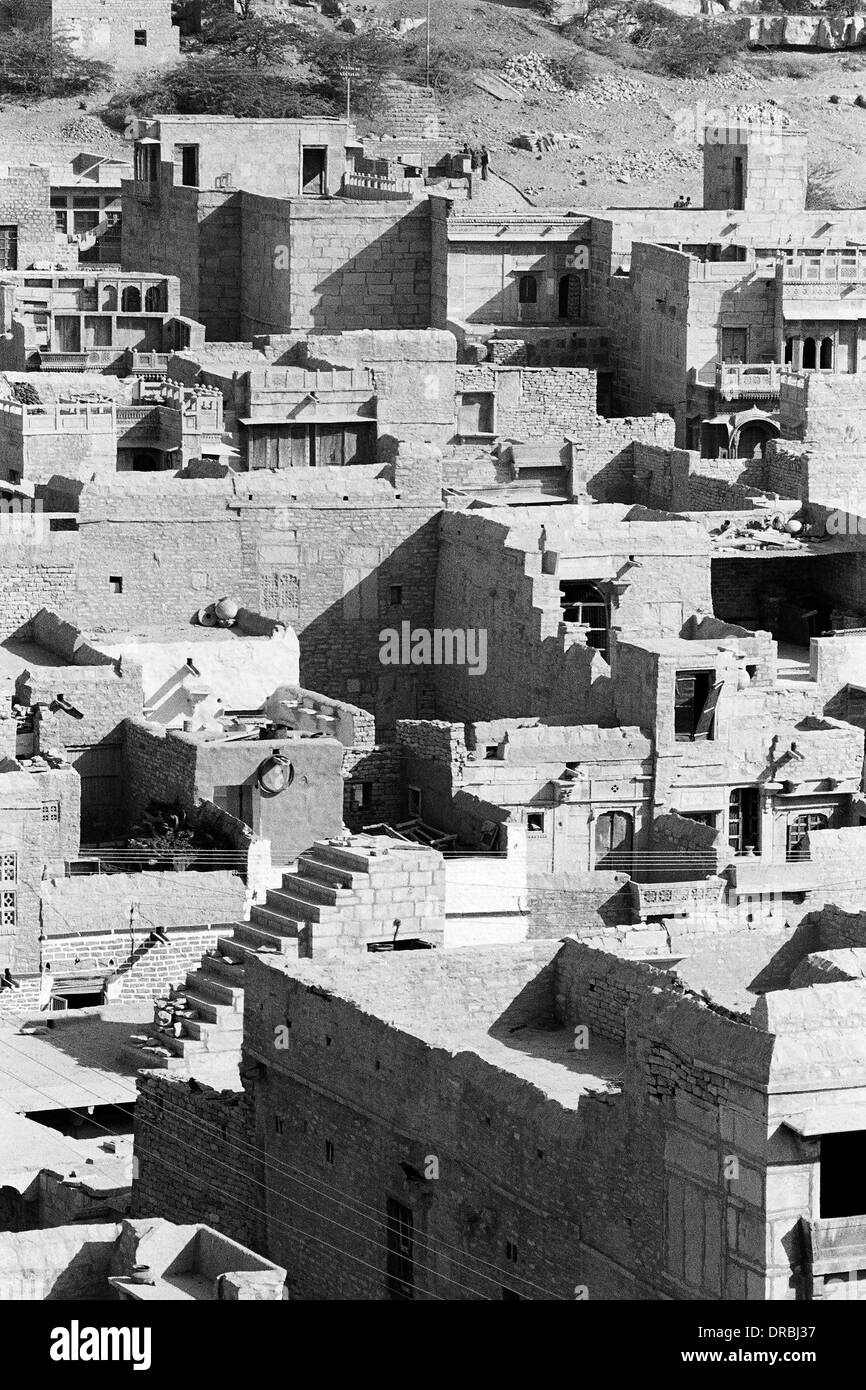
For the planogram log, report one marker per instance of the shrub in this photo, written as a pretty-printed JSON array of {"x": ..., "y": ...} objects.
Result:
[
  {"x": 684, "y": 47},
  {"x": 217, "y": 85},
  {"x": 821, "y": 190},
  {"x": 36, "y": 63}
]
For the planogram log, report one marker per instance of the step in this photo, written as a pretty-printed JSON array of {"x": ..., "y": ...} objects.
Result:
[
  {"x": 213, "y": 1035},
  {"x": 228, "y": 972},
  {"x": 312, "y": 867},
  {"x": 339, "y": 858},
  {"x": 312, "y": 891},
  {"x": 215, "y": 991},
  {"x": 254, "y": 938},
  {"x": 209, "y": 1012},
  {"x": 268, "y": 919},
  {"x": 280, "y": 902}
]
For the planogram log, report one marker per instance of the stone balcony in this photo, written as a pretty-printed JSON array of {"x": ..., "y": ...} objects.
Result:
[{"x": 752, "y": 380}]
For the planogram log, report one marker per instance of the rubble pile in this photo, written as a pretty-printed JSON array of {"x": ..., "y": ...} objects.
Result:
[{"x": 532, "y": 72}]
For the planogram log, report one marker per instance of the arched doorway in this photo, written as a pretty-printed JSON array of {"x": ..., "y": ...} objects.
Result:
[
  {"x": 809, "y": 353},
  {"x": 750, "y": 440},
  {"x": 614, "y": 840},
  {"x": 568, "y": 302}
]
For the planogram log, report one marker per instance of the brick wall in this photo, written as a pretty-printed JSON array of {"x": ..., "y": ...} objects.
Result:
[{"x": 146, "y": 969}]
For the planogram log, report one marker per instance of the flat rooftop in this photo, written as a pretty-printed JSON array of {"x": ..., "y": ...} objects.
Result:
[{"x": 72, "y": 1065}]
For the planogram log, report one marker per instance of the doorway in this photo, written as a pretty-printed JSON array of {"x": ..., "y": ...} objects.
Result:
[
  {"x": 744, "y": 821},
  {"x": 67, "y": 333},
  {"x": 314, "y": 165},
  {"x": 614, "y": 840}
]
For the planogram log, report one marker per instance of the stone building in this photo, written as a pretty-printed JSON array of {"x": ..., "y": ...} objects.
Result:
[
  {"x": 451, "y": 1094},
  {"x": 108, "y": 30},
  {"x": 104, "y": 321}
]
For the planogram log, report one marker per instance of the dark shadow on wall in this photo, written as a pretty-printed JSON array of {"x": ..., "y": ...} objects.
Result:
[
  {"x": 385, "y": 284},
  {"x": 341, "y": 643}
]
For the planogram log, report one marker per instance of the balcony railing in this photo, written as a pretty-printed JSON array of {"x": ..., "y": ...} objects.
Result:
[
  {"x": 759, "y": 380},
  {"x": 827, "y": 268},
  {"x": 77, "y": 417}
]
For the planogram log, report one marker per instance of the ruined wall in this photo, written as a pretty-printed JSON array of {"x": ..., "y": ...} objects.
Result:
[{"x": 197, "y": 1161}]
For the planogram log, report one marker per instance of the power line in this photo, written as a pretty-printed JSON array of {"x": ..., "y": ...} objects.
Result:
[{"x": 287, "y": 1170}]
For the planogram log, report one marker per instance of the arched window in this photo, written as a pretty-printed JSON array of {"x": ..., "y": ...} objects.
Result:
[
  {"x": 799, "y": 827},
  {"x": 130, "y": 301},
  {"x": 789, "y": 349},
  {"x": 527, "y": 289},
  {"x": 809, "y": 354},
  {"x": 586, "y": 604},
  {"x": 109, "y": 299},
  {"x": 825, "y": 361},
  {"x": 153, "y": 300}
]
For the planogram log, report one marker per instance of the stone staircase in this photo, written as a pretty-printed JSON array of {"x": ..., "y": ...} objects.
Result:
[{"x": 323, "y": 896}]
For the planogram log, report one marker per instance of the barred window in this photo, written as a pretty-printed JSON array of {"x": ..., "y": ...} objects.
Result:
[
  {"x": 8, "y": 913},
  {"x": 8, "y": 868},
  {"x": 51, "y": 811}
]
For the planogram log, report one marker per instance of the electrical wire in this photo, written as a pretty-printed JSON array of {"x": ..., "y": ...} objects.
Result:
[{"x": 287, "y": 1170}]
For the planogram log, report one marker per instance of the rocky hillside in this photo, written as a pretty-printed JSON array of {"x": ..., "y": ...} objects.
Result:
[{"x": 572, "y": 115}]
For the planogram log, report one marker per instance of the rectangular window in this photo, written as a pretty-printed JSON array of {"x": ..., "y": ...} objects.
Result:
[
  {"x": 8, "y": 911},
  {"x": 414, "y": 800},
  {"x": 51, "y": 812},
  {"x": 9, "y": 248},
  {"x": 841, "y": 1168},
  {"x": 115, "y": 584},
  {"x": 360, "y": 796},
  {"x": 140, "y": 38},
  {"x": 395, "y": 595},
  {"x": 61, "y": 220},
  {"x": 329, "y": 1151},
  {"x": 535, "y": 822},
  {"x": 695, "y": 701},
  {"x": 400, "y": 1264},
  {"x": 8, "y": 867}
]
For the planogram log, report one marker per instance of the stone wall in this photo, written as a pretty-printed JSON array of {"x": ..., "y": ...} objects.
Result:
[
  {"x": 107, "y": 31},
  {"x": 25, "y": 204},
  {"x": 314, "y": 563},
  {"x": 141, "y": 970},
  {"x": 197, "y": 1160},
  {"x": 333, "y": 266}
]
